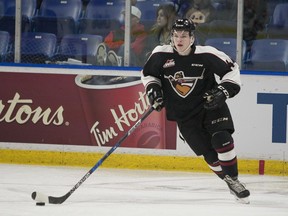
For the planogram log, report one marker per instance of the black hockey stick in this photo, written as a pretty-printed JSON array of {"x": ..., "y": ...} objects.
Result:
[{"x": 42, "y": 198}]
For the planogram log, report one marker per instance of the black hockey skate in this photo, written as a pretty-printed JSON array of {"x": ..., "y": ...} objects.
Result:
[{"x": 237, "y": 189}]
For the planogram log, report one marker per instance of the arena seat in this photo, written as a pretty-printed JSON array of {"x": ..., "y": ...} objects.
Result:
[
  {"x": 7, "y": 20},
  {"x": 222, "y": 28},
  {"x": 280, "y": 15},
  {"x": 36, "y": 47},
  {"x": 269, "y": 54},
  {"x": 58, "y": 17},
  {"x": 28, "y": 7},
  {"x": 278, "y": 28},
  {"x": 227, "y": 45},
  {"x": 98, "y": 9},
  {"x": 82, "y": 47},
  {"x": 4, "y": 44},
  {"x": 148, "y": 9},
  {"x": 101, "y": 17}
]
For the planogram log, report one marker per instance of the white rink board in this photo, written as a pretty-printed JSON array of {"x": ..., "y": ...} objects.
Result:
[{"x": 253, "y": 122}]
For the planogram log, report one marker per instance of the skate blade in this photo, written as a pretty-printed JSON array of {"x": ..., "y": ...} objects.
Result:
[{"x": 243, "y": 200}]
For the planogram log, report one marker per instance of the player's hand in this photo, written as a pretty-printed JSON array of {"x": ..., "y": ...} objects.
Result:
[
  {"x": 215, "y": 98},
  {"x": 155, "y": 97}
]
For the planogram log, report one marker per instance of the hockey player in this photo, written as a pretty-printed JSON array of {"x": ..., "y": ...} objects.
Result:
[{"x": 181, "y": 78}]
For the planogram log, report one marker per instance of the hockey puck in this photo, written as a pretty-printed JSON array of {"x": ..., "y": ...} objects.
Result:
[{"x": 40, "y": 203}]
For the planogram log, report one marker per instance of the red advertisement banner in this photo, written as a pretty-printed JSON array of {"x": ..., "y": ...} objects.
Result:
[{"x": 79, "y": 110}]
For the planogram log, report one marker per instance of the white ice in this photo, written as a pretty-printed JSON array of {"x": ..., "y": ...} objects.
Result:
[{"x": 116, "y": 192}]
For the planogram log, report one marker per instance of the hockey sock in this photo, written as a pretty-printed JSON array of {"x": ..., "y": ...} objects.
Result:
[
  {"x": 211, "y": 159},
  {"x": 224, "y": 146}
]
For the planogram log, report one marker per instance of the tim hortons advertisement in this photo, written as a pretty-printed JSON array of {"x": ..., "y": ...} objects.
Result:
[{"x": 79, "y": 110}]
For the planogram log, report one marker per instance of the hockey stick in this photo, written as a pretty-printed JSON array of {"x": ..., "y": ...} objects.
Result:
[{"x": 42, "y": 198}]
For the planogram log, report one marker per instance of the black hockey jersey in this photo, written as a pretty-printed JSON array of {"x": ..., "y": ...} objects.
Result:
[{"x": 185, "y": 79}]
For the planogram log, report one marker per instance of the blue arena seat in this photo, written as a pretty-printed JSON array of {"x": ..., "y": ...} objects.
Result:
[
  {"x": 99, "y": 9},
  {"x": 269, "y": 54},
  {"x": 28, "y": 7},
  {"x": 4, "y": 44},
  {"x": 36, "y": 47},
  {"x": 277, "y": 33},
  {"x": 227, "y": 45},
  {"x": 222, "y": 28},
  {"x": 7, "y": 20},
  {"x": 148, "y": 9},
  {"x": 101, "y": 17},
  {"x": 278, "y": 28},
  {"x": 280, "y": 15},
  {"x": 58, "y": 17},
  {"x": 82, "y": 47}
]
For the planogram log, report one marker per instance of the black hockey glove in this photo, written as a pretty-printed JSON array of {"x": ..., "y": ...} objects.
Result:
[
  {"x": 155, "y": 96},
  {"x": 215, "y": 98}
]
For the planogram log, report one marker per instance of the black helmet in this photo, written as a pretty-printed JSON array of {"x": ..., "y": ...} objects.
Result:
[{"x": 184, "y": 25}]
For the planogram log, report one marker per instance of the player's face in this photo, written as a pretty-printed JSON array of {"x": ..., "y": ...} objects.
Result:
[{"x": 182, "y": 42}]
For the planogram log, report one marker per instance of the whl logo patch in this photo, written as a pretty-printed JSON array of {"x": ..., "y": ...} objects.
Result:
[
  {"x": 182, "y": 85},
  {"x": 169, "y": 63}
]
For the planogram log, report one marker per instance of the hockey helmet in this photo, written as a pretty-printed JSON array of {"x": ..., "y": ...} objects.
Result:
[{"x": 184, "y": 25}]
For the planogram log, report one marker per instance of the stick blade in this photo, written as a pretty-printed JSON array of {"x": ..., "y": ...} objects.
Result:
[{"x": 40, "y": 197}]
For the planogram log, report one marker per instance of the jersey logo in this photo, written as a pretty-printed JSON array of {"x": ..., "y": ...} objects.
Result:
[
  {"x": 182, "y": 85},
  {"x": 169, "y": 63}
]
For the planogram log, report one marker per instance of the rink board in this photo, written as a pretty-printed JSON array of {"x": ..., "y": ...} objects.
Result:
[{"x": 259, "y": 112}]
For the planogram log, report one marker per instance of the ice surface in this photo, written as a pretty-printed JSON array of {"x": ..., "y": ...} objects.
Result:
[{"x": 109, "y": 192}]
